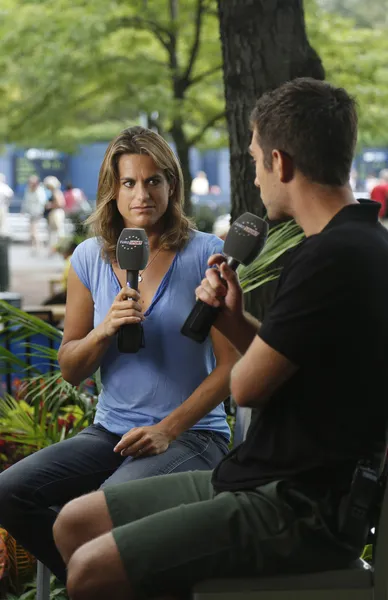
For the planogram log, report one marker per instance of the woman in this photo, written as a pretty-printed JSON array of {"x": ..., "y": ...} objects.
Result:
[
  {"x": 54, "y": 212},
  {"x": 160, "y": 410},
  {"x": 33, "y": 205}
]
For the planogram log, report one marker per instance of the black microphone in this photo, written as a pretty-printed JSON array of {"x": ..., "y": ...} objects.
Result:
[
  {"x": 245, "y": 240},
  {"x": 132, "y": 252}
]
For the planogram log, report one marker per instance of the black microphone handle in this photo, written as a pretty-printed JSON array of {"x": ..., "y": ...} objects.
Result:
[
  {"x": 130, "y": 338},
  {"x": 201, "y": 319},
  {"x": 133, "y": 279}
]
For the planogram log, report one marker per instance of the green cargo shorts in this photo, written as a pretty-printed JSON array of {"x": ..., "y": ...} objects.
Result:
[{"x": 173, "y": 531}]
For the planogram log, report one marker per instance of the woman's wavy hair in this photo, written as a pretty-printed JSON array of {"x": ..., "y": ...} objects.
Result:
[{"x": 106, "y": 222}]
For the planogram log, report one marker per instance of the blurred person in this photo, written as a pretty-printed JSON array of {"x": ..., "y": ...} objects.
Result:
[
  {"x": 33, "y": 205},
  {"x": 160, "y": 410},
  {"x": 273, "y": 504},
  {"x": 75, "y": 199},
  {"x": 380, "y": 193},
  {"x": 200, "y": 184},
  {"x": 221, "y": 226},
  {"x": 353, "y": 179},
  {"x": 370, "y": 182},
  {"x": 6, "y": 195},
  {"x": 54, "y": 212},
  {"x": 66, "y": 251}
]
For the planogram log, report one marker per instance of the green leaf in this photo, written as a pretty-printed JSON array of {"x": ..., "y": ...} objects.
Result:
[{"x": 281, "y": 238}]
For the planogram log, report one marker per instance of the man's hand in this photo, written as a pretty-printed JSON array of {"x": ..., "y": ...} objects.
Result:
[
  {"x": 238, "y": 327},
  {"x": 226, "y": 292},
  {"x": 144, "y": 441}
]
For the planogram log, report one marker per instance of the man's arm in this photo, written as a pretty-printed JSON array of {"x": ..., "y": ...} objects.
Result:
[
  {"x": 240, "y": 332},
  {"x": 221, "y": 289},
  {"x": 259, "y": 373}
]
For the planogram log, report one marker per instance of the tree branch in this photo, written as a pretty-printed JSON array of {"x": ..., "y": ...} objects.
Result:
[
  {"x": 161, "y": 33},
  {"x": 202, "y": 76},
  {"x": 197, "y": 37},
  {"x": 196, "y": 138}
]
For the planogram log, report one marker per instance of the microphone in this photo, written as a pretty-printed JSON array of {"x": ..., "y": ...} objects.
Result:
[
  {"x": 132, "y": 252},
  {"x": 245, "y": 240}
]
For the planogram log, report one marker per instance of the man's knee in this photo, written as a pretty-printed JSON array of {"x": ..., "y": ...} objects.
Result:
[
  {"x": 79, "y": 521},
  {"x": 69, "y": 523},
  {"x": 81, "y": 576}
]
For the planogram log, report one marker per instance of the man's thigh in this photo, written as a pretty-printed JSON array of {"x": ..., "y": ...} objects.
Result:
[
  {"x": 134, "y": 500},
  {"x": 169, "y": 551},
  {"x": 65, "y": 470},
  {"x": 250, "y": 533}
]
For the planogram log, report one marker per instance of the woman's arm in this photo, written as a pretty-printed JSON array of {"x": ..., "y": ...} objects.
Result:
[
  {"x": 155, "y": 439},
  {"x": 82, "y": 347},
  {"x": 209, "y": 394}
]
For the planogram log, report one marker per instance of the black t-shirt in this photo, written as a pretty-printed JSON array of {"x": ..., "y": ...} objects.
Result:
[{"x": 330, "y": 318}]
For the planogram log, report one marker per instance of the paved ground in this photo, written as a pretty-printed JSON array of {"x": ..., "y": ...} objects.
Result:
[{"x": 30, "y": 274}]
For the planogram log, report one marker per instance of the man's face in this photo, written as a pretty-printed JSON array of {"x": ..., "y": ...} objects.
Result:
[{"x": 268, "y": 181}]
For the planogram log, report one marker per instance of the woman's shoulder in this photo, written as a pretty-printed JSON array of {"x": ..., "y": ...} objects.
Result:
[
  {"x": 89, "y": 249},
  {"x": 199, "y": 241}
]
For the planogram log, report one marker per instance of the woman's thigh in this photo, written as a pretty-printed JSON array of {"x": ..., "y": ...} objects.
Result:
[
  {"x": 63, "y": 471},
  {"x": 191, "y": 451}
]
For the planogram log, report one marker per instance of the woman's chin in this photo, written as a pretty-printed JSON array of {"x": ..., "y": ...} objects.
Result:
[{"x": 142, "y": 220}]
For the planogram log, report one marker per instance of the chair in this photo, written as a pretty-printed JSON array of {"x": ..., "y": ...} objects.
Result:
[
  {"x": 359, "y": 582},
  {"x": 42, "y": 582}
]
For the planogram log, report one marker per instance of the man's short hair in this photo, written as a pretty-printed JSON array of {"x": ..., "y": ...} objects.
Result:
[{"x": 314, "y": 123}]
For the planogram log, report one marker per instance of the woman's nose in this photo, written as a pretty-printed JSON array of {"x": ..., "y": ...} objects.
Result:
[{"x": 142, "y": 191}]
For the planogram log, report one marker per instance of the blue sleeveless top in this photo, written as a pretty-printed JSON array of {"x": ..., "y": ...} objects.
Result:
[{"x": 143, "y": 388}]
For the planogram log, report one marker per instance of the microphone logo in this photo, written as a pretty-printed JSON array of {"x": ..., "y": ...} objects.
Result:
[{"x": 246, "y": 228}]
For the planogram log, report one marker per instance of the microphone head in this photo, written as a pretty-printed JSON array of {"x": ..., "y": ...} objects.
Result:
[
  {"x": 246, "y": 238},
  {"x": 132, "y": 249}
]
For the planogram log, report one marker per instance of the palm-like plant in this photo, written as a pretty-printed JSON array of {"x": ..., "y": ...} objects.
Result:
[
  {"x": 281, "y": 238},
  {"x": 42, "y": 416}
]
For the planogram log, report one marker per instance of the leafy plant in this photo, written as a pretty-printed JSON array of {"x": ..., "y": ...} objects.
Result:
[
  {"x": 57, "y": 591},
  {"x": 281, "y": 238},
  {"x": 46, "y": 408}
]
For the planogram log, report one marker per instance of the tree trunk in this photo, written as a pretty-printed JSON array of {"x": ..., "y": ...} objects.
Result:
[
  {"x": 182, "y": 150},
  {"x": 264, "y": 44}
]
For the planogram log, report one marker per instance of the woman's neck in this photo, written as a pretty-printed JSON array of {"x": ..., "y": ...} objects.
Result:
[{"x": 153, "y": 240}]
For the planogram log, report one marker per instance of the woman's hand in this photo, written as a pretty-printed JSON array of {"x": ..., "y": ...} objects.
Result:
[
  {"x": 125, "y": 310},
  {"x": 144, "y": 441}
]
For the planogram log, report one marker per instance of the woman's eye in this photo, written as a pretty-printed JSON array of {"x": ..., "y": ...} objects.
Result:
[
  {"x": 128, "y": 184},
  {"x": 154, "y": 182}
]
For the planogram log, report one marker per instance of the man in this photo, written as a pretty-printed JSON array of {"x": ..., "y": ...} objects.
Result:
[
  {"x": 312, "y": 369},
  {"x": 6, "y": 194},
  {"x": 380, "y": 192}
]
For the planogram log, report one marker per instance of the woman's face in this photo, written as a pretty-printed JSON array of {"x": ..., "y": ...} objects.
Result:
[{"x": 143, "y": 192}]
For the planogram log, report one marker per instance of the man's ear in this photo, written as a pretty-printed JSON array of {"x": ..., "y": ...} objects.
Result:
[{"x": 283, "y": 164}]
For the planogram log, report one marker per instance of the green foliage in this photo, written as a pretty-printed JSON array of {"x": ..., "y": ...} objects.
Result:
[
  {"x": 281, "y": 238},
  {"x": 76, "y": 71},
  {"x": 47, "y": 408},
  {"x": 57, "y": 591},
  {"x": 355, "y": 58},
  {"x": 365, "y": 14}
]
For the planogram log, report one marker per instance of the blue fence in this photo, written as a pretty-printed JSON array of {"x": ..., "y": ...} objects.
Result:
[{"x": 82, "y": 168}]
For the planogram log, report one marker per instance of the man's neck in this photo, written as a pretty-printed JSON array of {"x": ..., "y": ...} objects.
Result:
[{"x": 316, "y": 205}]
